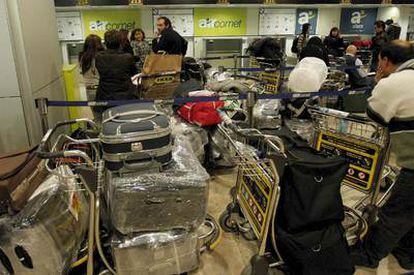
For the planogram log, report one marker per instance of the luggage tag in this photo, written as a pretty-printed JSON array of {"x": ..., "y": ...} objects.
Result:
[{"x": 74, "y": 205}]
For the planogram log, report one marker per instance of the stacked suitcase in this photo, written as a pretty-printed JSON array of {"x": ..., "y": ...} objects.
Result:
[
  {"x": 155, "y": 202},
  {"x": 46, "y": 235}
]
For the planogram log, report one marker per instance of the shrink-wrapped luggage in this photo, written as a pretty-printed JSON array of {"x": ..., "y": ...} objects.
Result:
[
  {"x": 176, "y": 197},
  {"x": 159, "y": 253},
  {"x": 45, "y": 236}
]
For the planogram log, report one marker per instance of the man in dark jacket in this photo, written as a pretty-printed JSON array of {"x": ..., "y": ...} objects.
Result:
[
  {"x": 115, "y": 70},
  {"x": 393, "y": 30},
  {"x": 168, "y": 41},
  {"x": 357, "y": 76},
  {"x": 378, "y": 41}
]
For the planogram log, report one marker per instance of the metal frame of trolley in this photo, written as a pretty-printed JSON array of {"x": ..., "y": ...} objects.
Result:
[
  {"x": 257, "y": 190},
  {"x": 365, "y": 145}
]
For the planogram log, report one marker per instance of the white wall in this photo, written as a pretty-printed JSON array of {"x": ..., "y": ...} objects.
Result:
[
  {"x": 327, "y": 19},
  {"x": 12, "y": 122},
  {"x": 31, "y": 58}
]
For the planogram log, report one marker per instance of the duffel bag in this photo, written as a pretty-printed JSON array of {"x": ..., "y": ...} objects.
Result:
[
  {"x": 310, "y": 186},
  {"x": 201, "y": 113},
  {"x": 20, "y": 175},
  {"x": 316, "y": 252}
]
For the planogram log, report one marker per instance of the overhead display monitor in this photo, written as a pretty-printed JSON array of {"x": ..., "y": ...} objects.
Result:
[
  {"x": 277, "y": 21},
  {"x": 182, "y": 20},
  {"x": 304, "y": 16},
  {"x": 358, "y": 20}
]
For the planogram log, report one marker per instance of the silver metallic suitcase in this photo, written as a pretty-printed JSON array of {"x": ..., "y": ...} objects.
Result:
[
  {"x": 154, "y": 201},
  {"x": 45, "y": 236},
  {"x": 135, "y": 136},
  {"x": 160, "y": 253}
]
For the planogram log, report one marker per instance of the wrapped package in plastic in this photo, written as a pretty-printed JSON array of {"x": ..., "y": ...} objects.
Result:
[
  {"x": 196, "y": 136},
  {"x": 308, "y": 75},
  {"x": 266, "y": 114},
  {"x": 46, "y": 235},
  {"x": 159, "y": 253},
  {"x": 302, "y": 127},
  {"x": 155, "y": 201}
]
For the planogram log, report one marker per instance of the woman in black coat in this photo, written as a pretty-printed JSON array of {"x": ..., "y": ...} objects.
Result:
[
  {"x": 315, "y": 48},
  {"x": 334, "y": 42},
  {"x": 115, "y": 70}
]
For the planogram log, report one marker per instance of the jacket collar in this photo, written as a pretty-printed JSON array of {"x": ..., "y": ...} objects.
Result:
[{"x": 406, "y": 65}]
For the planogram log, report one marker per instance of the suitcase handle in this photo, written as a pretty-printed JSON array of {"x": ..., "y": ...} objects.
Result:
[
  {"x": 151, "y": 114},
  {"x": 140, "y": 166},
  {"x": 154, "y": 201}
]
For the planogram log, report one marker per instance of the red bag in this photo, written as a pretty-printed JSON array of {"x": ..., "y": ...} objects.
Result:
[{"x": 201, "y": 113}]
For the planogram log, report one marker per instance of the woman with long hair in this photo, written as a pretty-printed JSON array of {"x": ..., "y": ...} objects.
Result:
[
  {"x": 91, "y": 47},
  {"x": 140, "y": 46},
  {"x": 125, "y": 45},
  {"x": 334, "y": 42}
]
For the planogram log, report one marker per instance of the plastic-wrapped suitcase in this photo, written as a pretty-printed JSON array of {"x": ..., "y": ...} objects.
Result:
[
  {"x": 45, "y": 236},
  {"x": 135, "y": 136},
  {"x": 171, "y": 252},
  {"x": 154, "y": 201}
]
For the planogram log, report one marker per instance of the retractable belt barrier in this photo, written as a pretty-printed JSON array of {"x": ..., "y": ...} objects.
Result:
[{"x": 183, "y": 100}]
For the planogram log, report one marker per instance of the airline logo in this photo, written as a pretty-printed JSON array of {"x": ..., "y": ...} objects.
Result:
[
  {"x": 106, "y": 25},
  {"x": 305, "y": 17},
  {"x": 357, "y": 19},
  {"x": 212, "y": 23}
]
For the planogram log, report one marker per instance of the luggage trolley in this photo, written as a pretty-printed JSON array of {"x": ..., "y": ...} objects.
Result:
[
  {"x": 365, "y": 145},
  {"x": 257, "y": 190},
  {"x": 270, "y": 73},
  {"x": 82, "y": 156}
]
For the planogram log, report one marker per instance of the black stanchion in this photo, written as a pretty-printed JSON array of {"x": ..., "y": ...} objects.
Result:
[{"x": 42, "y": 107}]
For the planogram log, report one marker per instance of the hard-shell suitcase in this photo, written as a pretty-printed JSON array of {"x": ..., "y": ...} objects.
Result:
[
  {"x": 170, "y": 252},
  {"x": 45, "y": 236},
  {"x": 154, "y": 201},
  {"x": 135, "y": 136},
  {"x": 20, "y": 175}
]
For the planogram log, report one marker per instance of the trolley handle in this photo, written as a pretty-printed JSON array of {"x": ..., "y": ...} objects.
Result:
[
  {"x": 250, "y": 78},
  {"x": 42, "y": 150},
  {"x": 341, "y": 114}
]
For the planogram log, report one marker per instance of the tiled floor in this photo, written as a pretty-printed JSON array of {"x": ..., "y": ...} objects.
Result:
[{"x": 233, "y": 254}]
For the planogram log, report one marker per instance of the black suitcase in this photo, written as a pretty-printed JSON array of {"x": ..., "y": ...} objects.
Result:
[{"x": 135, "y": 137}]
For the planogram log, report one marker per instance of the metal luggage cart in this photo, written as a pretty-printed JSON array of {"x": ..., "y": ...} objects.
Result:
[
  {"x": 257, "y": 192},
  {"x": 365, "y": 145},
  {"x": 82, "y": 156},
  {"x": 274, "y": 77}
]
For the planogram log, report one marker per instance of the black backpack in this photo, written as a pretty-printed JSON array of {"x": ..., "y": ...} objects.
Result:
[
  {"x": 310, "y": 236},
  {"x": 295, "y": 43},
  {"x": 310, "y": 185}
]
